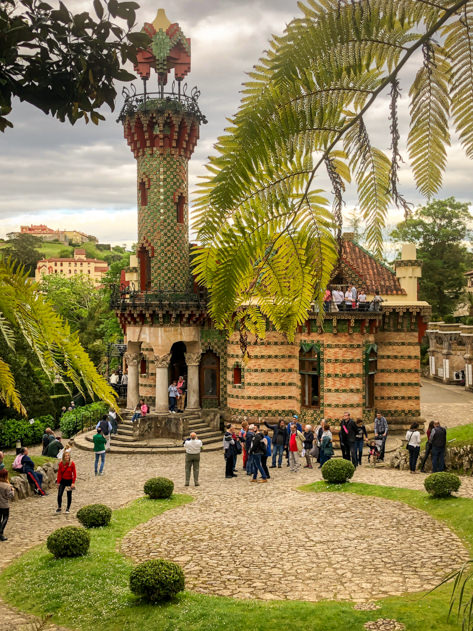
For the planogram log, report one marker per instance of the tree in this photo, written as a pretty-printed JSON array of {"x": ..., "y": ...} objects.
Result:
[
  {"x": 26, "y": 316},
  {"x": 23, "y": 249},
  {"x": 63, "y": 63},
  {"x": 439, "y": 230},
  {"x": 268, "y": 238}
]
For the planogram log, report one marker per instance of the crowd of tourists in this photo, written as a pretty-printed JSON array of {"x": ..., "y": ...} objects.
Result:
[{"x": 351, "y": 299}]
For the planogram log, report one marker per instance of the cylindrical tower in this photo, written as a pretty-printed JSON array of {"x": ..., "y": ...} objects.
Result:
[{"x": 162, "y": 129}]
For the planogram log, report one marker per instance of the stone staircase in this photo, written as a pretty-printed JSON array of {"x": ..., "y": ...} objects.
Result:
[{"x": 126, "y": 443}]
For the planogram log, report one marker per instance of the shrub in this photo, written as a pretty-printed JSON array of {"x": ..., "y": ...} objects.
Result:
[
  {"x": 157, "y": 580},
  {"x": 82, "y": 417},
  {"x": 442, "y": 484},
  {"x": 70, "y": 541},
  {"x": 12, "y": 429},
  {"x": 94, "y": 515},
  {"x": 159, "y": 488},
  {"x": 337, "y": 471}
]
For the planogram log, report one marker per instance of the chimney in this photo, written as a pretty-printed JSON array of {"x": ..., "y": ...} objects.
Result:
[{"x": 408, "y": 270}]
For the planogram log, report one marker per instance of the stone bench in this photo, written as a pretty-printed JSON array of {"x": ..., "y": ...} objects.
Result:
[{"x": 23, "y": 488}]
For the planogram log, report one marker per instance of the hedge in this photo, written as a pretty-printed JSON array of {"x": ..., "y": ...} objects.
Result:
[
  {"x": 76, "y": 420},
  {"x": 69, "y": 541},
  {"x": 30, "y": 433},
  {"x": 337, "y": 471},
  {"x": 157, "y": 580},
  {"x": 442, "y": 484}
]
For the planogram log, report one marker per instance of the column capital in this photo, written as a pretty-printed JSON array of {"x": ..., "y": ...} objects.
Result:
[
  {"x": 133, "y": 359},
  {"x": 162, "y": 361},
  {"x": 192, "y": 359}
]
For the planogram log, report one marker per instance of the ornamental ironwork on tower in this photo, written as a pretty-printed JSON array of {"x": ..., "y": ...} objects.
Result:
[{"x": 162, "y": 129}]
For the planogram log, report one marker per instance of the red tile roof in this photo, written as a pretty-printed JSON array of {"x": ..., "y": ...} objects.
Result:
[{"x": 362, "y": 269}]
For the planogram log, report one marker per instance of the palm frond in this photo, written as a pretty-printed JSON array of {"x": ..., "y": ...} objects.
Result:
[{"x": 8, "y": 392}]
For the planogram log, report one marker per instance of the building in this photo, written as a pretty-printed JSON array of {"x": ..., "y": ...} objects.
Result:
[
  {"x": 63, "y": 236},
  {"x": 79, "y": 264},
  {"x": 451, "y": 353},
  {"x": 360, "y": 361}
]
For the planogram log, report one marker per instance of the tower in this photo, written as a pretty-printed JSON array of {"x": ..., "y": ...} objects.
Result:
[{"x": 162, "y": 129}]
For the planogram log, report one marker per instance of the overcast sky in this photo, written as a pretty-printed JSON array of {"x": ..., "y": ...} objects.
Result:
[{"x": 83, "y": 177}]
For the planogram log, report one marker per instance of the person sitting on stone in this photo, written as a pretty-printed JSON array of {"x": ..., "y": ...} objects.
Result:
[
  {"x": 54, "y": 447},
  {"x": 34, "y": 477},
  {"x": 136, "y": 413}
]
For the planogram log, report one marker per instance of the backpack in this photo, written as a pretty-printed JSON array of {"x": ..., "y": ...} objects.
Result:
[
  {"x": 238, "y": 447},
  {"x": 17, "y": 466},
  {"x": 104, "y": 427},
  {"x": 257, "y": 445}
]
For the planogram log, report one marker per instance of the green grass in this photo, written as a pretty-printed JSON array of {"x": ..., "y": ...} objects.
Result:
[
  {"x": 38, "y": 460},
  {"x": 92, "y": 593}
]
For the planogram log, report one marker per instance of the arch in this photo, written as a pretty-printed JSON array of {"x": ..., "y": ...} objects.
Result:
[
  {"x": 209, "y": 380},
  {"x": 144, "y": 259},
  {"x": 177, "y": 363},
  {"x": 309, "y": 370}
]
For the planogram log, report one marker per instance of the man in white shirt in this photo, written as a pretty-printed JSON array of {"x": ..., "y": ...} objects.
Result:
[
  {"x": 337, "y": 297},
  {"x": 193, "y": 447}
]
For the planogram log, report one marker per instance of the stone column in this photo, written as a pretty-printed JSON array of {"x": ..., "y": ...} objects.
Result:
[
  {"x": 133, "y": 360},
  {"x": 468, "y": 361},
  {"x": 446, "y": 353},
  {"x": 432, "y": 367},
  {"x": 192, "y": 361},
  {"x": 162, "y": 400}
]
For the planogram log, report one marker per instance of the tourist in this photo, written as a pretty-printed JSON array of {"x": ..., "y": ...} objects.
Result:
[
  {"x": 376, "y": 302},
  {"x": 295, "y": 420},
  {"x": 100, "y": 442},
  {"x": 114, "y": 380},
  {"x": 279, "y": 442},
  {"x": 257, "y": 450},
  {"x": 428, "y": 446},
  {"x": 250, "y": 434},
  {"x": 326, "y": 445},
  {"x": 354, "y": 295},
  {"x": 193, "y": 447},
  {"x": 308, "y": 444},
  {"x": 338, "y": 299},
  {"x": 327, "y": 300},
  {"x": 362, "y": 304},
  {"x": 6, "y": 495},
  {"x": 48, "y": 436},
  {"x": 413, "y": 446},
  {"x": 343, "y": 436},
  {"x": 144, "y": 407},
  {"x": 136, "y": 413},
  {"x": 34, "y": 477},
  {"x": 242, "y": 439},
  {"x": 112, "y": 418},
  {"x": 181, "y": 390},
  {"x": 264, "y": 457},
  {"x": 106, "y": 427},
  {"x": 66, "y": 479},
  {"x": 54, "y": 447},
  {"x": 348, "y": 300},
  {"x": 373, "y": 452},
  {"x": 361, "y": 434},
  {"x": 352, "y": 432},
  {"x": 173, "y": 396},
  {"x": 63, "y": 411},
  {"x": 2, "y": 464},
  {"x": 229, "y": 451},
  {"x": 438, "y": 441},
  {"x": 296, "y": 440},
  {"x": 381, "y": 433}
]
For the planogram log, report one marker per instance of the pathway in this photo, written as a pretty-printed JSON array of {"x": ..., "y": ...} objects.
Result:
[{"x": 451, "y": 405}]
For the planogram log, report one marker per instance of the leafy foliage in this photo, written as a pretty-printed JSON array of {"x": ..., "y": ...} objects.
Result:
[
  {"x": 23, "y": 248},
  {"x": 268, "y": 238},
  {"x": 439, "y": 230},
  {"x": 159, "y": 488},
  {"x": 69, "y": 541},
  {"x": 27, "y": 315},
  {"x": 337, "y": 471},
  {"x": 94, "y": 515},
  {"x": 66, "y": 64},
  {"x": 157, "y": 580},
  {"x": 28, "y": 433},
  {"x": 442, "y": 484},
  {"x": 81, "y": 417}
]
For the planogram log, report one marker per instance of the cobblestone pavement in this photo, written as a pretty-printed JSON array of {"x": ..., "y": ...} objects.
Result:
[
  {"x": 235, "y": 499},
  {"x": 451, "y": 405}
]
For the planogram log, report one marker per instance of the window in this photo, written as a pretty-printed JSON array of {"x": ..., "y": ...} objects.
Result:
[
  {"x": 143, "y": 194},
  {"x": 145, "y": 269},
  {"x": 237, "y": 375},
  {"x": 309, "y": 370},
  {"x": 209, "y": 380},
  {"x": 143, "y": 367},
  {"x": 180, "y": 204},
  {"x": 371, "y": 368}
]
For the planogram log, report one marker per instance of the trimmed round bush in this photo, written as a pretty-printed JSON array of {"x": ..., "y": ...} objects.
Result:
[
  {"x": 337, "y": 471},
  {"x": 159, "y": 488},
  {"x": 94, "y": 515},
  {"x": 442, "y": 484},
  {"x": 157, "y": 580},
  {"x": 70, "y": 541}
]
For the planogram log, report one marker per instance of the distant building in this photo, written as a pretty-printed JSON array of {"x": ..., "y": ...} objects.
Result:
[
  {"x": 80, "y": 264},
  {"x": 48, "y": 234}
]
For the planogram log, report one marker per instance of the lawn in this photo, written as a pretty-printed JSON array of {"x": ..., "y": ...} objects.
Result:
[
  {"x": 38, "y": 460},
  {"x": 92, "y": 593}
]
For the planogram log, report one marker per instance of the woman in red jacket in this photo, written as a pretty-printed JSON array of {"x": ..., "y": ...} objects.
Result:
[{"x": 66, "y": 478}]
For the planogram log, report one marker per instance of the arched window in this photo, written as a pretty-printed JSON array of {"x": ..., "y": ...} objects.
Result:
[
  {"x": 371, "y": 368},
  {"x": 143, "y": 194},
  {"x": 180, "y": 204},
  {"x": 145, "y": 269},
  {"x": 143, "y": 369},
  {"x": 309, "y": 370},
  {"x": 209, "y": 380},
  {"x": 237, "y": 375}
]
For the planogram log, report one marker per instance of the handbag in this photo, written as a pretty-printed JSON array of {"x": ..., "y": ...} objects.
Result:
[
  {"x": 407, "y": 446},
  {"x": 314, "y": 452}
]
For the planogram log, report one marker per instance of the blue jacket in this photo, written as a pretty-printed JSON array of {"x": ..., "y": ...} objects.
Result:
[
  {"x": 298, "y": 425},
  {"x": 268, "y": 448}
]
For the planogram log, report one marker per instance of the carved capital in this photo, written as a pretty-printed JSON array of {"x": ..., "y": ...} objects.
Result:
[
  {"x": 162, "y": 361},
  {"x": 133, "y": 359},
  {"x": 192, "y": 359}
]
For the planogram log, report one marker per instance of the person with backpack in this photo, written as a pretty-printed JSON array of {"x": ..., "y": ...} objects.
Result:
[
  {"x": 66, "y": 479},
  {"x": 413, "y": 446},
  {"x": 54, "y": 447},
  {"x": 6, "y": 495},
  {"x": 438, "y": 441},
  {"x": 258, "y": 449},
  {"x": 112, "y": 418},
  {"x": 279, "y": 442},
  {"x": 106, "y": 427},
  {"x": 34, "y": 477},
  {"x": 99, "y": 449}
]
